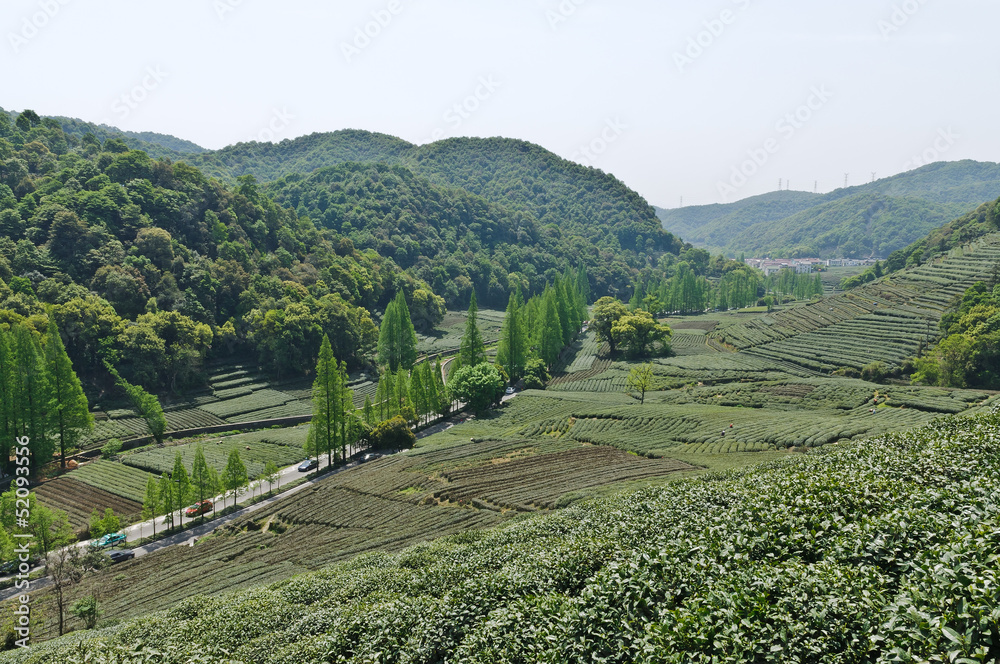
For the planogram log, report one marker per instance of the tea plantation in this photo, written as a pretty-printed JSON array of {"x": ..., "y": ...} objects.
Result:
[
  {"x": 881, "y": 551},
  {"x": 384, "y": 505}
]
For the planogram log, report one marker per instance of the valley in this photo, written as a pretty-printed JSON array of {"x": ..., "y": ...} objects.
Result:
[{"x": 647, "y": 430}]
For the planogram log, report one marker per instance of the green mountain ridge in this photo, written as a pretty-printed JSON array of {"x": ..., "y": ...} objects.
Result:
[
  {"x": 155, "y": 144},
  {"x": 514, "y": 174},
  {"x": 872, "y": 219}
]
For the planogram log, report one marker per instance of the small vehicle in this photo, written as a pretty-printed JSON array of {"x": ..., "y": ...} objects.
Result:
[
  {"x": 308, "y": 465},
  {"x": 120, "y": 556},
  {"x": 108, "y": 540},
  {"x": 369, "y": 457},
  {"x": 199, "y": 508},
  {"x": 8, "y": 567},
  {"x": 509, "y": 390}
]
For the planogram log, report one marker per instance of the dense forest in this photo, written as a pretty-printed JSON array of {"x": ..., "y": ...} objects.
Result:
[
  {"x": 516, "y": 175},
  {"x": 155, "y": 267}
]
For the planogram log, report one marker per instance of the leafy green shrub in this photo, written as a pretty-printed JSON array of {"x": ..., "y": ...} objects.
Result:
[
  {"x": 393, "y": 434},
  {"x": 111, "y": 449},
  {"x": 536, "y": 375}
]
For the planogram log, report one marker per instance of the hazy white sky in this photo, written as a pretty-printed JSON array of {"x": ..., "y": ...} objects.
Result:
[{"x": 670, "y": 96}]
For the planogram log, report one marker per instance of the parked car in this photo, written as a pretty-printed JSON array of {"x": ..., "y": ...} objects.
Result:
[
  {"x": 308, "y": 465},
  {"x": 509, "y": 390},
  {"x": 121, "y": 555},
  {"x": 199, "y": 508},
  {"x": 108, "y": 540},
  {"x": 370, "y": 457}
]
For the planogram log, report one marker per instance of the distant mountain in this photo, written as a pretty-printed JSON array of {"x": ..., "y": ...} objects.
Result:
[{"x": 868, "y": 220}]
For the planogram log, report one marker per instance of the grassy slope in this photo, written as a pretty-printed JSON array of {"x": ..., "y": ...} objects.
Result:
[{"x": 857, "y": 554}]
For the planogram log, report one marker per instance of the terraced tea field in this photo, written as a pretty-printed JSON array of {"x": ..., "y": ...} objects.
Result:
[
  {"x": 385, "y": 505},
  {"x": 113, "y": 477},
  {"x": 447, "y": 336},
  {"x": 885, "y": 321},
  {"x": 254, "y": 451},
  {"x": 78, "y": 499},
  {"x": 237, "y": 394}
]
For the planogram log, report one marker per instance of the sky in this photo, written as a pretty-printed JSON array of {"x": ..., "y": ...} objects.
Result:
[{"x": 700, "y": 102}]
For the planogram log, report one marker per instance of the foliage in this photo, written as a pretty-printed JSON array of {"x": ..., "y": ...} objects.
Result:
[
  {"x": 639, "y": 335},
  {"x": 641, "y": 379},
  {"x": 111, "y": 449},
  {"x": 536, "y": 374},
  {"x": 392, "y": 434},
  {"x": 969, "y": 355},
  {"x": 471, "y": 352},
  {"x": 333, "y": 404},
  {"x": 607, "y": 311},
  {"x": 860, "y": 553},
  {"x": 512, "y": 351},
  {"x": 397, "y": 340},
  {"x": 146, "y": 405},
  {"x": 27, "y": 407},
  {"x": 68, "y": 407},
  {"x": 102, "y": 525},
  {"x": 87, "y": 610},
  {"x": 234, "y": 477},
  {"x": 480, "y": 386}
]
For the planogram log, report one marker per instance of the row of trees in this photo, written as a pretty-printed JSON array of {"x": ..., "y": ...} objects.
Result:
[
  {"x": 173, "y": 491},
  {"x": 801, "y": 286},
  {"x": 541, "y": 327},
  {"x": 41, "y": 397},
  {"x": 415, "y": 395}
]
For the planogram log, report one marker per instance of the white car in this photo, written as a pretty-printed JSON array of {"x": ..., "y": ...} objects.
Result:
[{"x": 509, "y": 390}]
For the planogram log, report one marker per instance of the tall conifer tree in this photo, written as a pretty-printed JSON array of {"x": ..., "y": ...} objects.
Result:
[
  {"x": 8, "y": 396},
  {"x": 33, "y": 395},
  {"x": 513, "y": 349},
  {"x": 68, "y": 408},
  {"x": 472, "y": 351},
  {"x": 550, "y": 334},
  {"x": 326, "y": 403}
]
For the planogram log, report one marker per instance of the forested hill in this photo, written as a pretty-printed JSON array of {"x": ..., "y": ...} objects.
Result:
[
  {"x": 516, "y": 175},
  {"x": 272, "y": 161},
  {"x": 152, "y": 143},
  {"x": 156, "y": 267},
  {"x": 872, "y": 219},
  {"x": 433, "y": 231}
]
